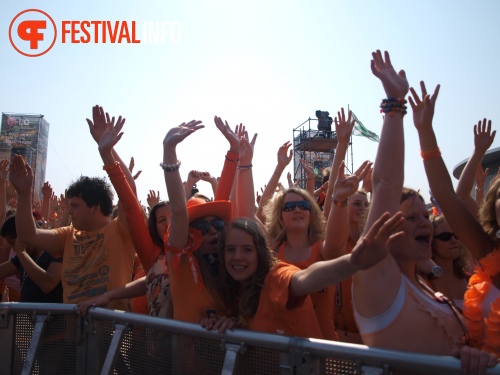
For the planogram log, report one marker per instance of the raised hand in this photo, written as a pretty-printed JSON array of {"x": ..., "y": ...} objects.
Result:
[
  {"x": 367, "y": 181},
  {"x": 179, "y": 133},
  {"x": 131, "y": 168},
  {"x": 194, "y": 177},
  {"x": 21, "y": 175},
  {"x": 291, "y": 183},
  {"x": 4, "y": 170},
  {"x": 343, "y": 126},
  {"x": 423, "y": 110},
  {"x": 47, "y": 191},
  {"x": 347, "y": 185},
  {"x": 374, "y": 246},
  {"x": 483, "y": 136},
  {"x": 111, "y": 135},
  {"x": 98, "y": 126},
  {"x": 64, "y": 201},
  {"x": 284, "y": 154},
  {"x": 232, "y": 137},
  {"x": 308, "y": 168},
  {"x": 395, "y": 84},
  {"x": 246, "y": 149},
  {"x": 153, "y": 198}
]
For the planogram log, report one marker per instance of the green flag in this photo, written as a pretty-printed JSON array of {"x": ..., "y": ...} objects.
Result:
[{"x": 360, "y": 130}]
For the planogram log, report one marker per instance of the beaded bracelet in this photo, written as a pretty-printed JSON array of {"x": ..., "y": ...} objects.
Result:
[
  {"x": 107, "y": 167},
  {"x": 171, "y": 167},
  {"x": 393, "y": 105},
  {"x": 234, "y": 161},
  {"x": 245, "y": 167},
  {"x": 432, "y": 154}
]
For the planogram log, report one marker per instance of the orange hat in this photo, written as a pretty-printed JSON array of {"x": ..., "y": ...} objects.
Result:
[{"x": 198, "y": 207}]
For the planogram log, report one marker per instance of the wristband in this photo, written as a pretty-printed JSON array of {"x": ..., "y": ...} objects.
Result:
[{"x": 337, "y": 203}]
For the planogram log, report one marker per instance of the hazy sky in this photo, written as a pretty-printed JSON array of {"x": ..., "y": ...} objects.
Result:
[{"x": 267, "y": 64}]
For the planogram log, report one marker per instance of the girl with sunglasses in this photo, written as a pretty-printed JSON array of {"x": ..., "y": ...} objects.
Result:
[
  {"x": 388, "y": 299},
  {"x": 297, "y": 225},
  {"x": 449, "y": 254}
]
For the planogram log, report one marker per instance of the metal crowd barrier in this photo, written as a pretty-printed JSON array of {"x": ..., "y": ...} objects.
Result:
[{"x": 52, "y": 339}]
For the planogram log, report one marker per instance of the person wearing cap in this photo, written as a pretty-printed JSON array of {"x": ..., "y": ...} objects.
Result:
[{"x": 196, "y": 228}]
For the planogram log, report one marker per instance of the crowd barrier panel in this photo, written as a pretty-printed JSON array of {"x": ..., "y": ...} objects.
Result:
[{"x": 53, "y": 339}]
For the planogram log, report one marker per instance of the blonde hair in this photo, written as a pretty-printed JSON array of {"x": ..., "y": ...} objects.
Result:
[
  {"x": 274, "y": 221},
  {"x": 487, "y": 211}
]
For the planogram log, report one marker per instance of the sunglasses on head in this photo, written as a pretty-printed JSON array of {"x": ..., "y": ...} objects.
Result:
[
  {"x": 445, "y": 236},
  {"x": 302, "y": 205},
  {"x": 204, "y": 225}
]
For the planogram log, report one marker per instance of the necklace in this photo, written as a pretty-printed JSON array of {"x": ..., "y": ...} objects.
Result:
[
  {"x": 484, "y": 332},
  {"x": 25, "y": 275}
]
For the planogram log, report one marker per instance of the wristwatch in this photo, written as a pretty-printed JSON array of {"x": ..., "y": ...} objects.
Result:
[{"x": 435, "y": 273}]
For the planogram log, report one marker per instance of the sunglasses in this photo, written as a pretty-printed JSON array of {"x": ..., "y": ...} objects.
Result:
[
  {"x": 445, "y": 236},
  {"x": 204, "y": 225},
  {"x": 302, "y": 205}
]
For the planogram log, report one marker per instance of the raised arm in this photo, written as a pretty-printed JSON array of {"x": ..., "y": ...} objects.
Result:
[
  {"x": 21, "y": 176},
  {"x": 483, "y": 138},
  {"x": 343, "y": 129},
  {"x": 284, "y": 158},
  {"x": 229, "y": 170},
  {"x": 47, "y": 195},
  {"x": 337, "y": 226},
  {"x": 480, "y": 178},
  {"x": 179, "y": 225},
  {"x": 309, "y": 169},
  {"x": 192, "y": 179},
  {"x": 460, "y": 219},
  {"x": 245, "y": 187},
  {"x": 97, "y": 127},
  {"x": 131, "y": 208},
  {"x": 212, "y": 180},
  {"x": 388, "y": 177}
]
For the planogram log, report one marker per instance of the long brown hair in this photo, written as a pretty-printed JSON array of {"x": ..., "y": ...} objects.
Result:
[{"x": 243, "y": 301}]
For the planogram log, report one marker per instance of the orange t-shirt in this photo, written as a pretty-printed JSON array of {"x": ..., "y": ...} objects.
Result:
[
  {"x": 322, "y": 300},
  {"x": 344, "y": 314},
  {"x": 273, "y": 316},
  {"x": 190, "y": 296}
]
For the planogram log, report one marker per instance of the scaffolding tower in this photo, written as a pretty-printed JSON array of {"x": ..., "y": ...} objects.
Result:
[{"x": 318, "y": 148}]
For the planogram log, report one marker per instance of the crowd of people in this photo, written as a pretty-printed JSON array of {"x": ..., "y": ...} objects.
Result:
[{"x": 361, "y": 259}]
